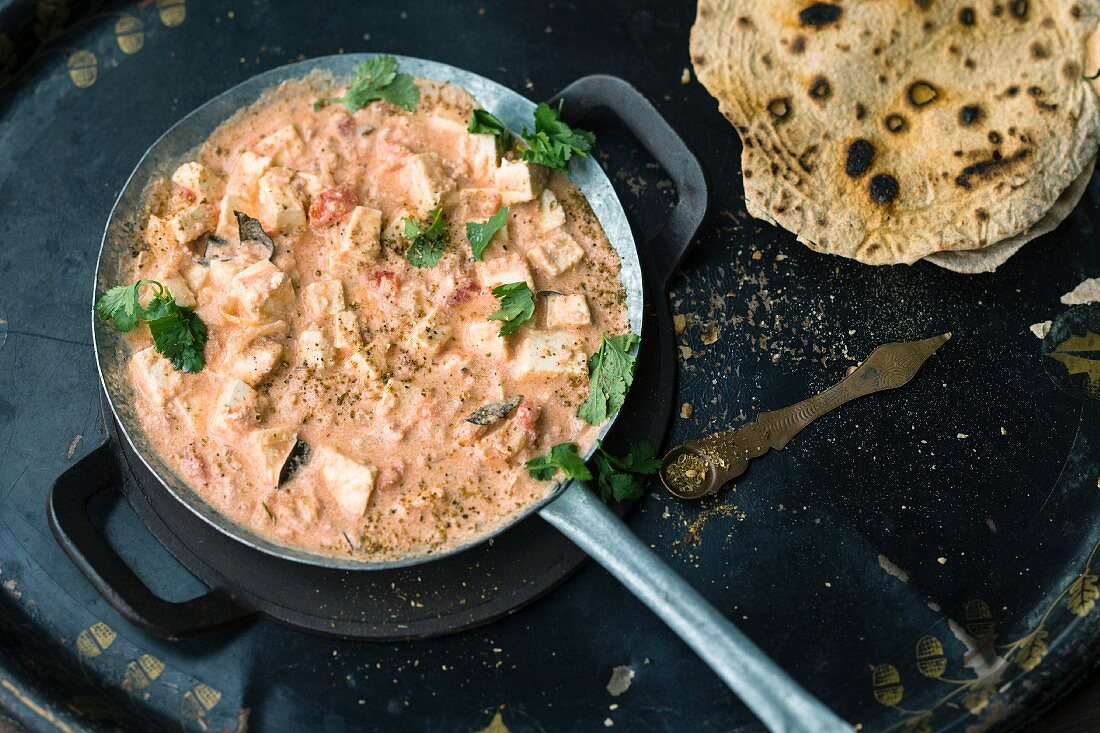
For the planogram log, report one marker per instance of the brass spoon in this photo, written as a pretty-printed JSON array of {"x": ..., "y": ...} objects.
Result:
[{"x": 701, "y": 467}]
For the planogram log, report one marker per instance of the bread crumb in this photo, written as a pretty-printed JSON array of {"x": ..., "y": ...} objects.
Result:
[
  {"x": 686, "y": 410},
  {"x": 1041, "y": 329},
  {"x": 709, "y": 336},
  {"x": 941, "y": 560},
  {"x": 679, "y": 322},
  {"x": 685, "y": 76},
  {"x": 780, "y": 257},
  {"x": 757, "y": 255},
  {"x": 962, "y": 436},
  {"x": 1087, "y": 292},
  {"x": 686, "y": 352}
]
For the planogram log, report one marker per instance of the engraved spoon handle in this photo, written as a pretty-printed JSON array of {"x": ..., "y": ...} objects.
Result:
[
  {"x": 889, "y": 366},
  {"x": 699, "y": 467}
]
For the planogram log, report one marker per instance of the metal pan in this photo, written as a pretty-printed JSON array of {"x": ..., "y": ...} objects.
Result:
[{"x": 570, "y": 507}]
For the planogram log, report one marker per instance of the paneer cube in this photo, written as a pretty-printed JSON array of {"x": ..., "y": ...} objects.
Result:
[
  {"x": 323, "y": 298},
  {"x": 281, "y": 207},
  {"x": 155, "y": 376},
  {"x": 509, "y": 268},
  {"x": 483, "y": 338},
  {"x": 556, "y": 254},
  {"x": 429, "y": 335},
  {"x": 350, "y": 482},
  {"x": 447, "y": 124},
  {"x": 178, "y": 288},
  {"x": 221, "y": 272},
  {"x": 282, "y": 145},
  {"x": 551, "y": 353},
  {"x": 314, "y": 349},
  {"x": 196, "y": 275},
  {"x": 551, "y": 213},
  {"x": 515, "y": 435},
  {"x": 310, "y": 184},
  {"x": 238, "y": 409},
  {"x": 268, "y": 451},
  {"x": 394, "y": 232},
  {"x": 191, "y": 223},
  {"x": 362, "y": 236},
  {"x": 227, "y": 220},
  {"x": 199, "y": 180},
  {"x": 245, "y": 174},
  {"x": 567, "y": 311},
  {"x": 260, "y": 290},
  {"x": 518, "y": 181},
  {"x": 481, "y": 151},
  {"x": 257, "y": 361},
  {"x": 345, "y": 331},
  {"x": 158, "y": 233},
  {"x": 363, "y": 366},
  {"x": 425, "y": 182}
]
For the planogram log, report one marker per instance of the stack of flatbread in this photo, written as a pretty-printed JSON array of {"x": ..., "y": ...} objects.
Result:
[{"x": 899, "y": 130}]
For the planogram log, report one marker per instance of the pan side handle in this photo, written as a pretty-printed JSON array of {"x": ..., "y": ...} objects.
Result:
[
  {"x": 668, "y": 247},
  {"x": 90, "y": 551},
  {"x": 772, "y": 695}
]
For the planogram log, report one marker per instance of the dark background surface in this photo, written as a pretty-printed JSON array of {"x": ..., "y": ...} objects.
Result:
[{"x": 807, "y": 553}]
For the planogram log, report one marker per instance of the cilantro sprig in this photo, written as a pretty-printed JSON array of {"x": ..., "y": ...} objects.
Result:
[
  {"x": 563, "y": 456},
  {"x": 485, "y": 123},
  {"x": 553, "y": 143},
  {"x": 375, "y": 79},
  {"x": 179, "y": 335},
  {"x": 480, "y": 233},
  {"x": 611, "y": 372},
  {"x": 620, "y": 478},
  {"x": 428, "y": 245},
  {"x": 517, "y": 305}
]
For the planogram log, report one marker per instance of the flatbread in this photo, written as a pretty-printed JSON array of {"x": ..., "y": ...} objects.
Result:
[
  {"x": 974, "y": 261},
  {"x": 887, "y": 131}
]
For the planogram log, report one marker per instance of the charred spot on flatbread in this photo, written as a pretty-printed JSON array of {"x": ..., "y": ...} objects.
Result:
[
  {"x": 883, "y": 189},
  {"x": 895, "y": 123},
  {"x": 969, "y": 114},
  {"x": 921, "y": 93},
  {"x": 819, "y": 15},
  {"x": 966, "y": 16},
  {"x": 820, "y": 89},
  {"x": 779, "y": 108},
  {"x": 990, "y": 167},
  {"x": 861, "y": 154}
]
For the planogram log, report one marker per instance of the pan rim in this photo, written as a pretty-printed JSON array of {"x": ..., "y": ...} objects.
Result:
[{"x": 585, "y": 173}]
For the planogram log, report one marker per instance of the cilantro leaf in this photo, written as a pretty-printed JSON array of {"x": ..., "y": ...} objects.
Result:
[
  {"x": 120, "y": 304},
  {"x": 428, "y": 245},
  {"x": 480, "y": 233},
  {"x": 553, "y": 143},
  {"x": 611, "y": 372},
  {"x": 619, "y": 477},
  {"x": 179, "y": 335},
  {"x": 517, "y": 305},
  {"x": 563, "y": 456},
  {"x": 377, "y": 78},
  {"x": 486, "y": 123}
]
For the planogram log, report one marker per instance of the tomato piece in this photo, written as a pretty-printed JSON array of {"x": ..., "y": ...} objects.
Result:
[{"x": 332, "y": 204}]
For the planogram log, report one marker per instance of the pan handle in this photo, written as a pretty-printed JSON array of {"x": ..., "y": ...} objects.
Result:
[
  {"x": 668, "y": 247},
  {"x": 89, "y": 551},
  {"x": 771, "y": 694}
]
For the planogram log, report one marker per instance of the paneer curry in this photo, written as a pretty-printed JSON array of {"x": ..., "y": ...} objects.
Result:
[{"x": 377, "y": 371}]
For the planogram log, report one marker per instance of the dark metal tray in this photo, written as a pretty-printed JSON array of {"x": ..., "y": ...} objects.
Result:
[{"x": 880, "y": 557}]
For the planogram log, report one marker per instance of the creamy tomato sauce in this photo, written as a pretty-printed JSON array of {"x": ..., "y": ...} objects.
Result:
[{"x": 332, "y": 412}]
